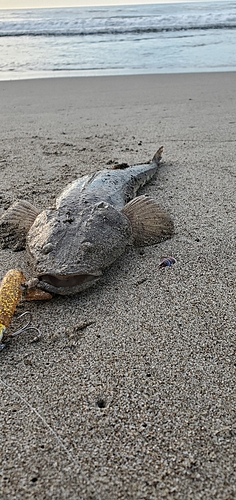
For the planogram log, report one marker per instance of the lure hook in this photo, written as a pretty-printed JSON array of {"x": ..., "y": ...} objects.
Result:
[{"x": 27, "y": 326}]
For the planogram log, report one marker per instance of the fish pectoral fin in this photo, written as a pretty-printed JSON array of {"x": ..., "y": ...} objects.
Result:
[
  {"x": 150, "y": 223},
  {"x": 21, "y": 214},
  {"x": 15, "y": 224}
]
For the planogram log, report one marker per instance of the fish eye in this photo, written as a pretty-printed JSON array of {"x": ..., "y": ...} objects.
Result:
[
  {"x": 102, "y": 204},
  {"x": 47, "y": 248}
]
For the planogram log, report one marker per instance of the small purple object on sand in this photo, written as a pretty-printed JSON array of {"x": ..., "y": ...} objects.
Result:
[{"x": 167, "y": 262}]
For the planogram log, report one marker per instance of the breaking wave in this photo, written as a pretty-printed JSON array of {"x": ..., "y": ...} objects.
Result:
[{"x": 90, "y": 22}]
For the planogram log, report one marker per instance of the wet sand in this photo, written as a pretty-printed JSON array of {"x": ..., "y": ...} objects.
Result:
[{"x": 130, "y": 393}]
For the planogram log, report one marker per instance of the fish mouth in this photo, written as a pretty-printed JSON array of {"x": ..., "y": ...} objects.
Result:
[{"x": 67, "y": 281}]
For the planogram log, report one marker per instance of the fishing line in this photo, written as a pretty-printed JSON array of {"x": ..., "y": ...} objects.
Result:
[{"x": 58, "y": 439}]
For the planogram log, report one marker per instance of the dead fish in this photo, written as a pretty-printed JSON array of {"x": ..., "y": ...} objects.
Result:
[
  {"x": 167, "y": 261},
  {"x": 91, "y": 224}
]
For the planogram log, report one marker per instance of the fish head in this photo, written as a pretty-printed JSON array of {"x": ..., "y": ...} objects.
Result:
[{"x": 70, "y": 248}]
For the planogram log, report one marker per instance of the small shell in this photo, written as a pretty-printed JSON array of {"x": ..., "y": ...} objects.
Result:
[{"x": 167, "y": 262}]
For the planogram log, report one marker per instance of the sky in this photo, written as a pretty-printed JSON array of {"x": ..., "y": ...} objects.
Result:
[{"x": 21, "y": 4}]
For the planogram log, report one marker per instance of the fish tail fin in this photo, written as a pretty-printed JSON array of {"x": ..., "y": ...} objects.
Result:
[{"x": 157, "y": 156}]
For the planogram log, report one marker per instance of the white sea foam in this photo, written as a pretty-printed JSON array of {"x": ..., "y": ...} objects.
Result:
[{"x": 124, "y": 39}]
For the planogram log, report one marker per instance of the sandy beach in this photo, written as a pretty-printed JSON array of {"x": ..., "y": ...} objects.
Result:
[{"x": 130, "y": 392}]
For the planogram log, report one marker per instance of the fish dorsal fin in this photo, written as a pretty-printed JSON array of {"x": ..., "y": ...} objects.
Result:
[
  {"x": 21, "y": 215},
  {"x": 120, "y": 166},
  {"x": 150, "y": 223}
]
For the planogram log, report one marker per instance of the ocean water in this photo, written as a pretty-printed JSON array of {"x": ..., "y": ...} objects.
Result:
[{"x": 85, "y": 41}]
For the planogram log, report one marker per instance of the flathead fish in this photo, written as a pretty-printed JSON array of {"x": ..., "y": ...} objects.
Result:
[{"x": 90, "y": 226}]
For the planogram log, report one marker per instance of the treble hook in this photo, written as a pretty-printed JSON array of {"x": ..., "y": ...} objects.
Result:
[{"x": 27, "y": 327}]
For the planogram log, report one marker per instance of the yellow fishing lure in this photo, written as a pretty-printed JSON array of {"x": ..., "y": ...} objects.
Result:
[
  {"x": 12, "y": 289},
  {"x": 10, "y": 295}
]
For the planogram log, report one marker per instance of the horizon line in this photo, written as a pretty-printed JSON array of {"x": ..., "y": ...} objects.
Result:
[{"x": 136, "y": 2}]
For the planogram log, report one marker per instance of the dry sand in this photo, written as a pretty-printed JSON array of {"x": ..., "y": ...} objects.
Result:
[{"x": 139, "y": 404}]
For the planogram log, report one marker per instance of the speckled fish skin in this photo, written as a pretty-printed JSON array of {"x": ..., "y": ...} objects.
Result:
[{"x": 90, "y": 226}]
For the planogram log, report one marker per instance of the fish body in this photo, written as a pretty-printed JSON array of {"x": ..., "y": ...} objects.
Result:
[{"x": 90, "y": 226}]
